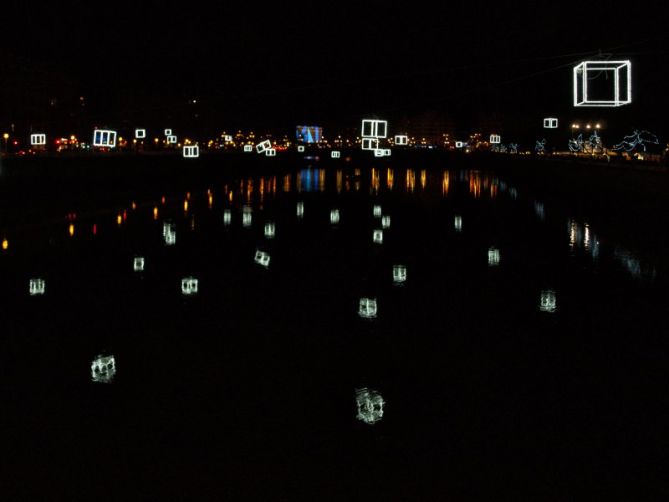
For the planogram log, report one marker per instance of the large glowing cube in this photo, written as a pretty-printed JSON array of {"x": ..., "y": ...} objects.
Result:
[
  {"x": 189, "y": 286},
  {"x": 140, "y": 133},
  {"x": 370, "y": 405},
  {"x": 618, "y": 75},
  {"x": 372, "y": 128},
  {"x": 401, "y": 139},
  {"x": 262, "y": 259},
  {"x": 37, "y": 287},
  {"x": 367, "y": 308},
  {"x": 103, "y": 369},
  {"x": 103, "y": 138},
  {"x": 263, "y": 146},
  {"x": 38, "y": 139},
  {"x": 191, "y": 152},
  {"x": 550, "y": 123}
]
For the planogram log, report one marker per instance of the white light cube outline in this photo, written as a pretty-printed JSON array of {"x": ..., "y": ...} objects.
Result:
[
  {"x": 548, "y": 301},
  {"x": 377, "y": 236},
  {"x": 263, "y": 146},
  {"x": 104, "y": 138},
  {"x": 300, "y": 148},
  {"x": 334, "y": 216},
  {"x": 227, "y": 138},
  {"x": 370, "y": 144},
  {"x": 168, "y": 132},
  {"x": 103, "y": 369},
  {"x": 299, "y": 209},
  {"x": 248, "y": 148},
  {"x": 495, "y": 139},
  {"x": 38, "y": 139},
  {"x": 619, "y": 68},
  {"x": 385, "y": 222},
  {"x": 368, "y": 308},
  {"x": 37, "y": 287},
  {"x": 373, "y": 128},
  {"x": 140, "y": 133},
  {"x": 270, "y": 152},
  {"x": 138, "y": 264},
  {"x": 401, "y": 139},
  {"x": 399, "y": 274},
  {"x": 550, "y": 123},
  {"x": 386, "y": 152},
  {"x": 172, "y": 140},
  {"x": 191, "y": 151},
  {"x": 335, "y": 154},
  {"x": 379, "y": 153},
  {"x": 493, "y": 257},
  {"x": 459, "y": 144},
  {"x": 262, "y": 258},
  {"x": 270, "y": 230},
  {"x": 377, "y": 211},
  {"x": 189, "y": 286},
  {"x": 370, "y": 406}
]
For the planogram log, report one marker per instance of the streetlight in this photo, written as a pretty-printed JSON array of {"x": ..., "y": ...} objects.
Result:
[{"x": 5, "y": 137}]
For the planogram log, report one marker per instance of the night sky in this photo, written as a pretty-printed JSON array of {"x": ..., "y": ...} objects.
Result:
[{"x": 463, "y": 65}]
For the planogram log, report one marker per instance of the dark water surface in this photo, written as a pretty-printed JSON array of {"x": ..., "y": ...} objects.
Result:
[{"x": 247, "y": 390}]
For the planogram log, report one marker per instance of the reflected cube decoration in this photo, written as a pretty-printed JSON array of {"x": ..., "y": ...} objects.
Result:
[
  {"x": 385, "y": 222},
  {"x": 457, "y": 223},
  {"x": 399, "y": 274},
  {"x": 334, "y": 216},
  {"x": 138, "y": 264},
  {"x": 493, "y": 257},
  {"x": 270, "y": 230},
  {"x": 377, "y": 237},
  {"x": 370, "y": 405},
  {"x": 189, "y": 286},
  {"x": 37, "y": 287},
  {"x": 262, "y": 258},
  {"x": 548, "y": 301},
  {"x": 621, "y": 83},
  {"x": 367, "y": 308},
  {"x": 377, "y": 211},
  {"x": 103, "y": 369}
]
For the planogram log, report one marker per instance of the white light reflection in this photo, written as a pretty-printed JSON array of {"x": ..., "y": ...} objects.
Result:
[
  {"x": 385, "y": 222},
  {"x": 367, "y": 308},
  {"x": 334, "y": 216},
  {"x": 493, "y": 257},
  {"x": 335, "y": 154},
  {"x": 227, "y": 217},
  {"x": 247, "y": 217},
  {"x": 262, "y": 258},
  {"x": 457, "y": 223},
  {"x": 548, "y": 301},
  {"x": 399, "y": 274},
  {"x": 248, "y": 148},
  {"x": 377, "y": 211},
  {"x": 370, "y": 405},
  {"x": 169, "y": 233},
  {"x": 138, "y": 264},
  {"x": 103, "y": 369},
  {"x": 270, "y": 230},
  {"x": 189, "y": 286},
  {"x": 37, "y": 287},
  {"x": 377, "y": 237}
]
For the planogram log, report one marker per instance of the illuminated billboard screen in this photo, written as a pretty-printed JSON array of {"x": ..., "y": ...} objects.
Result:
[{"x": 309, "y": 134}]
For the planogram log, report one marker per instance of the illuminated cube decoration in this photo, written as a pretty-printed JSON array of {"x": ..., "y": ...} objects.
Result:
[
  {"x": 189, "y": 286},
  {"x": 370, "y": 405},
  {"x": 385, "y": 222},
  {"x": 334, "y": 216},
  {"x": 370, "y": 144},
  {"x": 104, "y": 138},
  {"x": 309, "y": 134},
  {"x": 248, "y": 148},
  {"x": 495, "y": 139},
  {"x": 227, "y": 138},
  {"x": 367, "y": 308},
  {"x": 377, "y": 236},
  {"x": 379, "y": 153},
  {"x": 270, "y": 230},
  {"x": 610, "y": 80},
  {"x": 103, "y": 369},
  {"x": 169, "y": 233},
  {"x": 37, "y": 287},
  {"x": 270, "y": 152},
  {"x": 377, "y": 211},
  {"x": 459, "y": 144},
  {"x": 372, "y": 128},
  {"x": 300, "y": 148},
  {"x": 335, "y": 154},
  {"x": 191, "y": 152},
  {"x": 263, "y": 146},
  {"x": 550, "y": 123},
  {"x": 493, "y": 257},
  {"x": 457, "y": 223},
  {"x": 140, "y": 133},
  {"x": 38, "y": 139},
  {"x": 171, "y": 140},
  {"x": 138, "y": 264},
  {"x": 401, "y": 139},
  {"x": 262, "y": 258},
  {"x": 399, "y": 274},
  {"x": 168, "y": 132},
  {"x": 227, "y": 217},
  {"x": 548, "y": 301},
  {"x": 247, "y": 217},
  {"x": 299, "y": 209}
]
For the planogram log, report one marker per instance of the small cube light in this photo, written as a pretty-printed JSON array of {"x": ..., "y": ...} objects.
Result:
[
  {"x": 401, "y": 139},
  {"x": 140, "y": 133},
  {"x": 495, "y": 139},
  {"x": 262, "y": 259},
  {"x": 263, "y": 146},
  {"x": 38, "y": 139},
  {"x": 300, "y": 148},
  {"x": 367, "y": 308},
  {"x": 189, "y": 286},
  {"x": 270, "y": 152},
  {"x": 103, "y": 369},
  {"x": 138, "y": 264},
  {"x": 377, "y": 236},
  {"x": 550, "y": 123},
  {"x": 248, "y": 148},
  {"x": 335, "y": 154},
  {"x": 191, "y": 152},
  {"x": 37, "y": 287}
]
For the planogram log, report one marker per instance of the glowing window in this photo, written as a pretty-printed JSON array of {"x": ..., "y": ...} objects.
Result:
[
  {"x": 610, "y": 80},
  {"x": 401, "y": 139},
  {"x": 138, "y": 264},
  {"x": 104, "y": 138},
  {"x": 191, "y": 152},
  {"x": 38, "y": 139},
  {"x": 103, "y": 369},
  {"x": 263, "y": 146},
  {"x": 189, "y": 286},
  {"x": 550, "y": 123},
  {"x": 140, "y": 133},
  {"x": 370, "y": 405},
  {"x": 37, "y": 287},
  {"x": 367, "y": 308}
]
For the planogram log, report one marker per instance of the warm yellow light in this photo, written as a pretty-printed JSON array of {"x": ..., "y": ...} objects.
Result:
[
  {"x": 186, "y": 206},
  {"x": 119, "y": 219},
  {"x": 6, "y": 136},
  {"x": 5, "y": 244},
  {"x": 71, "y": 229},
  {"x": 134, "y": 206},
  {"x": 598, "y": 126}
]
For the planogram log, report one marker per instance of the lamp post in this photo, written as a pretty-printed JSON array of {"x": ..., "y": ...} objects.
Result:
[{"x": 5, "y": 137}]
